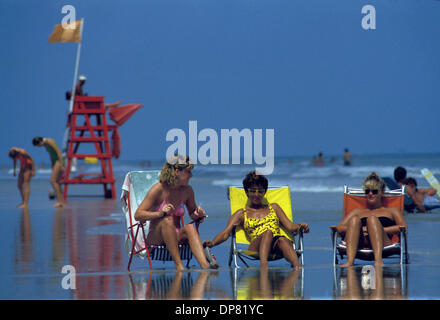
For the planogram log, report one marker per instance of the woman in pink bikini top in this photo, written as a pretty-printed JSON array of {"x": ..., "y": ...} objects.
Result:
[{"x": 165, "y": 218}]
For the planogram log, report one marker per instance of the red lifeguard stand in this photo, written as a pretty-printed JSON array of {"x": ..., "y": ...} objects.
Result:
[{"x": 96, "y": 132}]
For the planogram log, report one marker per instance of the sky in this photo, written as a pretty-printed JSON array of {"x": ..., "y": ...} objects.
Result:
[{"x": 306, "y": 69}]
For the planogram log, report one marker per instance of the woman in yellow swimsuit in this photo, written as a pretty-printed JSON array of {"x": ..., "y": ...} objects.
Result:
[{"x": 261, "y": 222}]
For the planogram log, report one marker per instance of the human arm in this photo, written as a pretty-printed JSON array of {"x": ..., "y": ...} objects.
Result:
[
  {"x": 235, "y": 220},
  {"x": 15, "y": 166},
  {"x": 145, "y": 212},
  {"x": 399, "y": 220},
  {"x": 289, "y": 225},
  {"x": 195, "y": 212},
  {"x": 428, "y": 191}
]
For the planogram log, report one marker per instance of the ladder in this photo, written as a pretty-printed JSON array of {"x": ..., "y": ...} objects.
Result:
[{"x": 94, "y": 135}]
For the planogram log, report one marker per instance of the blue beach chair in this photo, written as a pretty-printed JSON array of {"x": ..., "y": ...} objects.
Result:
[{"x": 134, "y": 189}]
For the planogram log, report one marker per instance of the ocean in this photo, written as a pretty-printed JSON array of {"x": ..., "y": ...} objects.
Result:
[{"x": 89, "y": 235}]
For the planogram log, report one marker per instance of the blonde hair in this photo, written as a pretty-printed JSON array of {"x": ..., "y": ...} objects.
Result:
[
  {"x": 168, "y": 174},
  {"x": 374, "y": 180}
]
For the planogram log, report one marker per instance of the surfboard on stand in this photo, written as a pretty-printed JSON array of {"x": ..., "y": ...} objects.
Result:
[{"x": 431, "y": 180}]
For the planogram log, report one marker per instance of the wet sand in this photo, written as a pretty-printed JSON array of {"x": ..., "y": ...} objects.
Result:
[{"x": 89, "y": 235}]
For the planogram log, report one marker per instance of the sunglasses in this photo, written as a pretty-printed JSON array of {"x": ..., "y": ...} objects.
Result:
[
  {"x": 374, "y": 191},
  {"x": 261, "y": 191}
]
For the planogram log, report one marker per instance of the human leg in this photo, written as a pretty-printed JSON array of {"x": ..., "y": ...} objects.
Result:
[
  {"x": 20, "y": 181},
  {"x": 190, "y": 234},
  {"x": 352, "y": 239},
  {"x": 25, "y": 189},
  {"x": 57, "y": 171},
  {"x": 263, "y": 245},
  {"x": 286, "y": 247},
  {"x": 164, "y": 232},
  {"x": 378, "y": 238}
]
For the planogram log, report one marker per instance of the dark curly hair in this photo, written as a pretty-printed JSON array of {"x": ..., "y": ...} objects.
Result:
[{"x": 256, "y": 179}]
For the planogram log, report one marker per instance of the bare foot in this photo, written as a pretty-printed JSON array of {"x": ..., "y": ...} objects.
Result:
[
  {"x": 58, "y": 205},
  {"x": 179, "y": 267},
  {"x": 379, "y": 263},
  {"x": 298, "y": 267},
  {"x": 21, "y": 206},
  {"x": 347, "y": 264}
]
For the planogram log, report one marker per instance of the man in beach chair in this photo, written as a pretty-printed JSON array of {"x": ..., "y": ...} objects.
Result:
[
  {"x": 135, "y": 188},
  {"x": 372, "y": 226},
  {"x": 262, "y": 218}
]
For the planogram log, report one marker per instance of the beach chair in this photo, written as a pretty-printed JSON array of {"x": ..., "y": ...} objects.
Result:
[
  {"x": 238, "y": 200},
  {"x": 134, "y": 190},
  {"x": 355, "y": 198}
]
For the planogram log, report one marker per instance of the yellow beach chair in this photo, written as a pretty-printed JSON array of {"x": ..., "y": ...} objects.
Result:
[
  {"x": 238, "y": 199},
  {"x": 355, "y": 198}
]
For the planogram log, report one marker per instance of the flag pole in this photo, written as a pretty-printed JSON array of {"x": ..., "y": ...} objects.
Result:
[{"x": 78, "y": 53}]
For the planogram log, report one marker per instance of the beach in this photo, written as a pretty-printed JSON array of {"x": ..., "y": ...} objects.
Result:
[{"x": 89, "y": 234}]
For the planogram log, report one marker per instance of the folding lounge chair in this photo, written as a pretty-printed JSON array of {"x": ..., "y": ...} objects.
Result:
[
  {"x": 355, "y": 198},
  {"x": 134, "y": 190},
  {"x": 238, "y": 200}
]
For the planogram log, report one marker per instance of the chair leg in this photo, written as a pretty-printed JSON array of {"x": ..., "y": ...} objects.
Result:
[
  {"x": 133, "y": 244},
  {"x": 334, "y": 241}
]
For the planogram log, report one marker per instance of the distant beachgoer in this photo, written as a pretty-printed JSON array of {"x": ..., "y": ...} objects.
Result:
[
  {"x": 261, "y": 222},
  {"x": 57, "y": 166},
  {"x": 78, "y": 88},
  {"x": 27, "y": 171},
  {"x": 372, "y": 227},
  {"x": 318, "y": 160},
  {"x": 399, "y": 175},
  {"x": 164, "y": 205},
  {"x": 347, "y": 158},
  {"x": 422, "y": 198}
]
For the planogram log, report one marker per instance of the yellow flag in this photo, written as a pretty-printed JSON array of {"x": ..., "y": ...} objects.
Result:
[{"x": 70, "y": 32}]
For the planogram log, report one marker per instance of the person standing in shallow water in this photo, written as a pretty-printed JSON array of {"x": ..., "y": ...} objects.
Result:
[
  {"x": 373, "y": 226},
  {"x": 347, "y": 158},
  {"x": 27, "y": 171},
  {"x": 57, "y": 166}
]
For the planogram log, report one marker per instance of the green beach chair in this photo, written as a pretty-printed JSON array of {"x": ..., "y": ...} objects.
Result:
[{"x": 134, "y": 189}]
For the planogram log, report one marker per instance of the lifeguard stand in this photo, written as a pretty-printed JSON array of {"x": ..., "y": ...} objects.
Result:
[{"x": 96, "y": 132}]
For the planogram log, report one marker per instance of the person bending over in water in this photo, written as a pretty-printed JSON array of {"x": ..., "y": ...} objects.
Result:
[
  {"x": 261, "y": 222},
  {"x": 57, "y": 166},
  {"x": 27, "y": 171},
  {"x": 164, "y": 205},
  {"x": 372, "y": 227}
]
